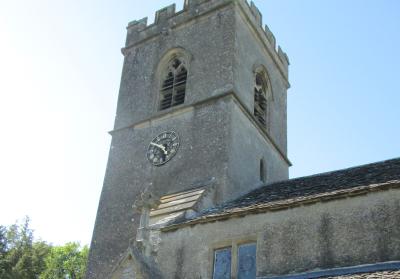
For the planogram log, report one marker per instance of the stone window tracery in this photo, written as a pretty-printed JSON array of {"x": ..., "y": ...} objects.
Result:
[{"x": 173, "y": 88}]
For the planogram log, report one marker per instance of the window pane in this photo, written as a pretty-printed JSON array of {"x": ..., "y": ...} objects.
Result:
[
  {"x": 222, "y": 264},
  {"x": 247, "y": 261}
]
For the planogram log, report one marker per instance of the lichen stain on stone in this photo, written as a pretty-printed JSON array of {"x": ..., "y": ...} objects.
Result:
[
  {"x": 325, "y": 241},
  {"x": 180, "y": 256}
]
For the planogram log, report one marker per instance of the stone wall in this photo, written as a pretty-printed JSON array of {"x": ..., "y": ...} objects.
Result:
[
  {"x": 208, "y": 38},
  {"x": 252, "y": 52},
  {"x": 209, "y": 123},
  {"x": 346, "y": 232}
]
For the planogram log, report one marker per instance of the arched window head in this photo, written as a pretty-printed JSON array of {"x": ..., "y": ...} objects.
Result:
[
  {"x": 173, "y": 87},
  {"x": 261, "y": 96}
]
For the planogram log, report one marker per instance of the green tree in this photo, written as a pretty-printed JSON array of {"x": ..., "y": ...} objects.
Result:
[
  {"x": 41, "y": 250},
  {"x": 23, "y": 258},
  {"x": 20, "y": 257},
  {"x": 66, "y": 262},
  {"x": 3, "y": 251}
]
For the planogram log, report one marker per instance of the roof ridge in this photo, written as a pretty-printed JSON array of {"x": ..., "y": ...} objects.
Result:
[{"x": 330, "y": 172}]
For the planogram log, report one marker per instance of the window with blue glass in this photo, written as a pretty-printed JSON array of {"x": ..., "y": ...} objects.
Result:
[
  {"x": 244, "y": 262},
  {"x": 222, "y": 263}
]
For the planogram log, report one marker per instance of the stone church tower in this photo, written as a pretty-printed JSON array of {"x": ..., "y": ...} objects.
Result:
[{"x": 202, "y": 104}]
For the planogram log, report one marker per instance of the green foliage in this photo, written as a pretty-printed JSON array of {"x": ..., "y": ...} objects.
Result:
[
  {"x": 20, "y": 258},
  {"x": 23, "y": 258},
  {"x": 3, "y": 250},
  {"x": 66, "y": 262},
  {"x": 42, "y": 250}
]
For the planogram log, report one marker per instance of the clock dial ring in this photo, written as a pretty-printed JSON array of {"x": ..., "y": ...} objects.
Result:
[{"x": 163, "y": 148}]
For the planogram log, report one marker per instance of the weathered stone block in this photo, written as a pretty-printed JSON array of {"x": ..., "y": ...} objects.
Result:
[
  {"x": 270, "y": 36},
  {"x": 283, "y": 57},
  {"x": 133, "y": 30},
  {"x": 137, "y": 25},
  {"x": 165, "y": 13},
  {"x": 193, "y": 3},
  {"x": 256, "y": 12}
]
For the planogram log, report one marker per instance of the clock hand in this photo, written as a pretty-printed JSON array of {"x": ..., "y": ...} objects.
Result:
[
  {"x": 162, "y": 147},
  {"x": 157, "y": 145}
]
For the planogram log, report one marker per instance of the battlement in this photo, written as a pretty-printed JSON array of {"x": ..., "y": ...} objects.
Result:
[{"x": 168, "y": 18}]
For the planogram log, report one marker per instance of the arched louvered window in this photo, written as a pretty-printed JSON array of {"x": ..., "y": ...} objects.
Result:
[
  {"x": 173, "y": 88},
  {"x": 261, "y": 89}
]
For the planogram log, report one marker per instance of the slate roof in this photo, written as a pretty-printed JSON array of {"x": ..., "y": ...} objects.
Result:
[
  {"x": 385, "y": 270},
  {"x": 376, "y": 275},
  {"x": 330, "y": 185}
]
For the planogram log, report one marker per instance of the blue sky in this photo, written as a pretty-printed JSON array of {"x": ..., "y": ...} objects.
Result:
[{"x": 60, "y": 66}]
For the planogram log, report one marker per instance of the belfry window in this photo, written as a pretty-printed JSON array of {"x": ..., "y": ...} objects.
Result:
[
  {"x": 261, "y": 88},
  {"x": 173, "y": 88}
]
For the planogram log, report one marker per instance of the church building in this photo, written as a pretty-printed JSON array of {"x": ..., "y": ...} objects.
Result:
[{"x": 197, "y": 183}]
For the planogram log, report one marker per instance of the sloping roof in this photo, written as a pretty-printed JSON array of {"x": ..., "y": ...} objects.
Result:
[
  {"x": 375, "y": 275},
  {"x": 385, "y": 270},
  {"x": 351, "y": 181},
  {"x": 173, "y": 205},
  {"x": 177, "y": 202}
]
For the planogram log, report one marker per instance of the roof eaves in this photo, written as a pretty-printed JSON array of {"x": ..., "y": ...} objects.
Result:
[{"x": 284, "y": 204}]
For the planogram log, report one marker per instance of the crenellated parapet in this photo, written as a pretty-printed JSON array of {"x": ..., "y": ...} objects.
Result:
[
  {"x": 254, "y": 15},
  {"x": 193, "y": 3},
  {"x": 164, "y": 14},
  {"x": 168, "y": 18}
]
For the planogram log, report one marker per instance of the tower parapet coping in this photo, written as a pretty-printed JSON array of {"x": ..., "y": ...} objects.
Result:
[{"x": 168, "y": 18}]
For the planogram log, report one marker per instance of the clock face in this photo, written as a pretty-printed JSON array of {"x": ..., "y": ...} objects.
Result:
[{"x": 162, "y": 148}]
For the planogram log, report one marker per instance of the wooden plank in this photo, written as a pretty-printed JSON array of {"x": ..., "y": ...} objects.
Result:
[
  {"x": 176, "y": 208},
  {"x": 185, "y": 193},
  {"x": 177, "y": 202}
]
